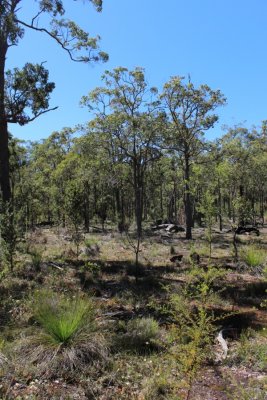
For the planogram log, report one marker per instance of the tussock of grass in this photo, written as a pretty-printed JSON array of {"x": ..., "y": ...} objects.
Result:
[
  {"x": 140, "y": 334},
  {"x": 253, "y": 256},
  {"x": 65, "y": 343},
  {"x": 62, "y": 317}
]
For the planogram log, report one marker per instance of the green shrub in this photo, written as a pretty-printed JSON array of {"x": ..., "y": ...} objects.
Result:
[
  {"x": 91, "y": 246},
  {"x": 253, "y": 389},
  {"x": 157, "y": 388},
  {"x": 93, "y": 268},
  {"x": 140, "y": 333},
  {"x": 253, "y": 256},
  {"x": 36, "y": 258},
  {"x": 88, "y": 242}
]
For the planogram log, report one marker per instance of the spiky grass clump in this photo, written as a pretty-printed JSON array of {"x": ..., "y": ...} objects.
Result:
[
  {"x": 65, "y": 343},
  {"x": 61, "y": 317}
]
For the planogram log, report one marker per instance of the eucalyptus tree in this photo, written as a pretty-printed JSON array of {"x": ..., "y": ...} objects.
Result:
[
  {"x": 24, "y": 93},
  {"x": 190, "y": 114},
  {"x": 96, "y": 173},
  {"x": 126, "y": 110}
]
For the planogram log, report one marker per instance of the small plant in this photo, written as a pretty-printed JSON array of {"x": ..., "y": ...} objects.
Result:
[
  {"x": 158, "y": 387},
  {"x": 65, "y": 342},
  {"x": 60, "y": 317},
  {"x": 253, "y": 256},
  {"x": 253, "y": 389},
  {"x": 91, "y": 246},
  {"x": 250, "y": 353},
  {"x": 36, "y": 258},
  {"x": 140, "y": 333},
  {"x": 93, "y": 268}
]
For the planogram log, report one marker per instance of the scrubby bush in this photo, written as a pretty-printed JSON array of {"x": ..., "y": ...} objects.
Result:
[
  {"x": 253, "y": 256},
  {"x": 157, "y": 388},
  {"x": 91, "y": 246},
  {"x": 140, "y": 334},
  {"x": 36, "y": 258}
]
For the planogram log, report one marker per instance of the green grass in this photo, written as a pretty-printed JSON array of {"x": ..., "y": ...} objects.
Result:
[
  {"x": 65, "y": 343},
  {"x": 140, "y": 334},
  {"x": 253, "y": 256},
  {"x": 62, "y": 317},
  {"x": 251, "y": 352}
]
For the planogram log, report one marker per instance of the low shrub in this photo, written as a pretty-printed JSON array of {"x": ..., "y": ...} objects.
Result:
[
  {"x": 253, "y": 256},
  {"x": 91, "y": 247},
  {"x": 36, "y": 258},
  {"x": 140, "y": 334},
  {"x": 157, "y": 388}
]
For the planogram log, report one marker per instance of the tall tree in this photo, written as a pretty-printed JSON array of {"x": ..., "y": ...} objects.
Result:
[
  {"x": 24, "y": 94},
  {"x": 190, "y": 112},
  {"x": 126, "y": 111}
]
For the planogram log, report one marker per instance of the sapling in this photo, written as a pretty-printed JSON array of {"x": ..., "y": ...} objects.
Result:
[{"x": 136, "y": 246}]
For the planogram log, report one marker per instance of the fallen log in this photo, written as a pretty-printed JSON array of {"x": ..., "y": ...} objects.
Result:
[
  {"x": 168, "y": 228},
  {"x": 247, "y": 229}
]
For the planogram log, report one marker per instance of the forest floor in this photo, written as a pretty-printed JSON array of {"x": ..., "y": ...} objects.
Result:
[{"x": 105, "y": 271}]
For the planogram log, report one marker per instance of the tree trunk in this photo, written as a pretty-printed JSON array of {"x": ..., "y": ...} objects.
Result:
[
  {"x": 86, "y": 207},
  {"x": 4, "y": 153},
  {"x": 187, "y": 201},
  {"x": 138, "y": 191},
  {"x": 138, "y": 210},
  {"x": 220, "y": 206}
]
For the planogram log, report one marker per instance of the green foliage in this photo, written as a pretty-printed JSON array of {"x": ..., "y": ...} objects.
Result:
[
  {"x": 158, "y": 387},
  {"x": 243, "y": 210},
  {"x": 253, "y": 256},
  {"x": 93, "y": 268},
  {"x": 250, "y": 352},
  {"x": 8, "y": 234},
  {"x": 202, "y": 282},
  {"x": 208, "y": 209},
  {"x": 61, "y": 317},
  {"x": 91, "y": 246},
  {"x": 252, "y": 390},
  {"x": 27, "y": 89},
  {"x": 65, "y": 343},
  {"x": 89, "y": 242},
  {"x": 140, "y": 334},
  {"x": 36, "y": 258}
]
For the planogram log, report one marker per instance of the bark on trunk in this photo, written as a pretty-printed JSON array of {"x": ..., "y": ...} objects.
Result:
[
  {"x": 4, "y": 153},
  {"x": 187, "y": 202}
]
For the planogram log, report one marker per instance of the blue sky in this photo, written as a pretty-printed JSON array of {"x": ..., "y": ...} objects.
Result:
[{"x": 222, "y": 43}]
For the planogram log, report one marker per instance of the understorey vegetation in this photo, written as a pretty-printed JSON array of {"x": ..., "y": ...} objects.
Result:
[
  {"x": 133, "y": 250},
  {"x": 131, "y": 269}
]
